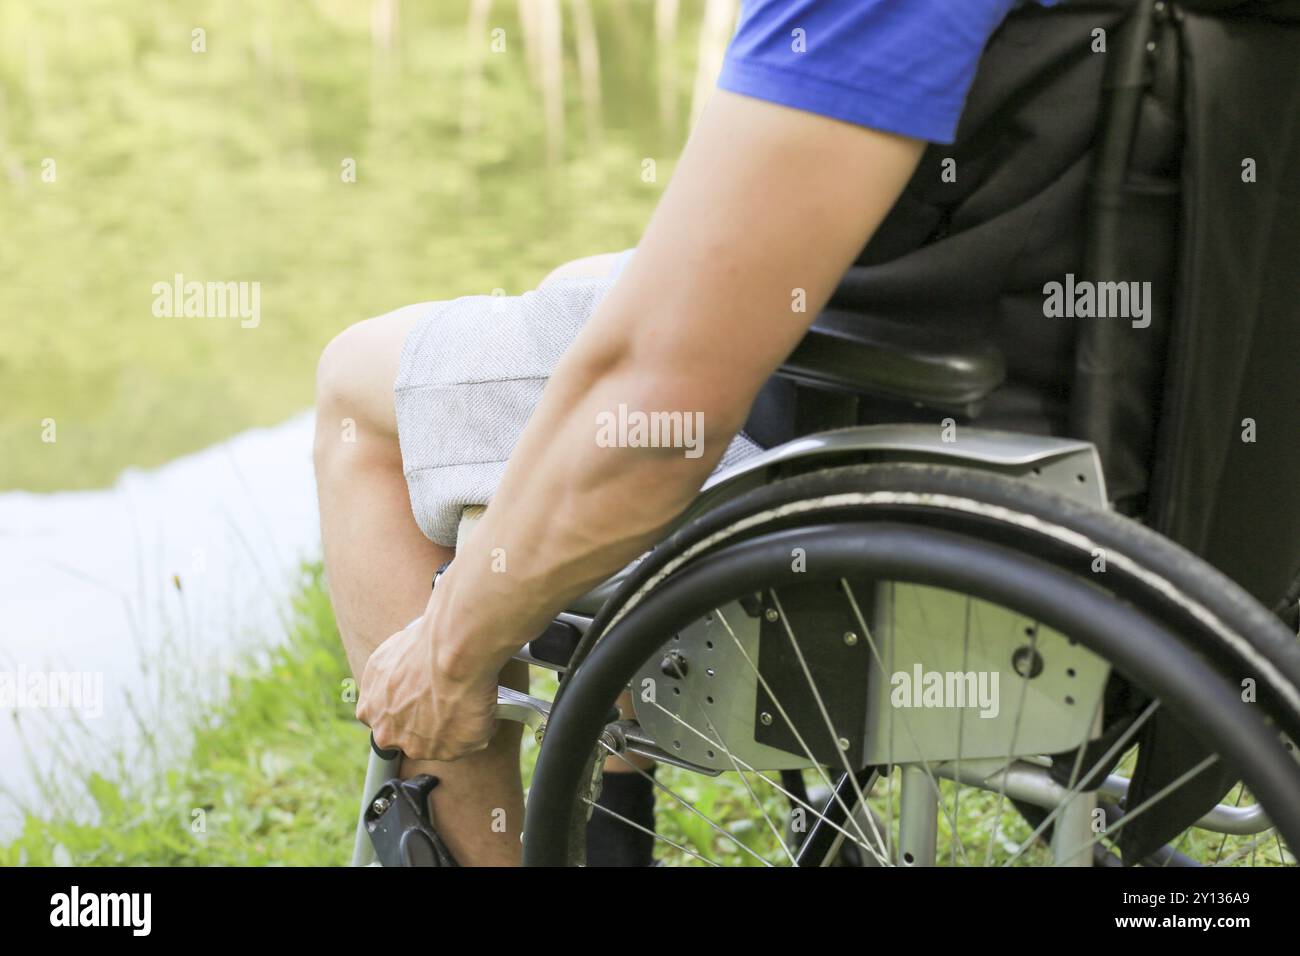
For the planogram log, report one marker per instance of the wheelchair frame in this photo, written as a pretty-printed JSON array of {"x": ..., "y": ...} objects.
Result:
[{"x": 1066, "y": 466}]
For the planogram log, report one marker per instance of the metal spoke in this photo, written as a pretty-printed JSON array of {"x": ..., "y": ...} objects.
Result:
[
  {"x": 1251, "y": 847},
  {"x": 685, "y": 803},
  {"x": 766, "y": 779},
  {"x": 723, "y": 747},
  {"x": 821, "y": 707},
  {"x": 1281, "y": 850},
  {"x": 889, "y": 747},
  {"x": 1241, "y": 792},
  {"x": 1145, "y": 805},
  {"x": 961, "y": 721},
  {"x": 636, "y": 826},
  {"x": 849, "y": 815},
  {"x": 1178, "y": 849},
  {"x": 1011, "y": 750},
  {"x": 1075, "y": 787},
  {"x": 934, "y": 784}
]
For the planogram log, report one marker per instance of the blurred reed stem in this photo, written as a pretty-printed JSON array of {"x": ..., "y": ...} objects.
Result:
[
  {"x": 584, "y": 25},
  {"x": 551, "y": 42},
  {"x": 471, "y": 116},
  {"x": 667, "y": 14},
  {"x": 542, "y": 40},
  {"x": 715, "y": 32}
]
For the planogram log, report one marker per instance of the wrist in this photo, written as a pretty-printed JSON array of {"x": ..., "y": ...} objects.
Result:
[{"x": 467, "y": 642}]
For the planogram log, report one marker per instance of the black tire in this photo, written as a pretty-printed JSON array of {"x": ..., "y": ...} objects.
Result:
[{"x": 1188, "y": 633}]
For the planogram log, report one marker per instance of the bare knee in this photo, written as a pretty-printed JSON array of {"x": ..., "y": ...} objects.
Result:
[
  {"x": 336, "y": 374},
  {"x": 354, "y": 389},
  {"x": 336, "y": 397},
  {"x": 358, "y": 367}
]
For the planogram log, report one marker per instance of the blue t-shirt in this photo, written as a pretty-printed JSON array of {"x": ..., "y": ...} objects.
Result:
[{"x": 902, "y": 66}]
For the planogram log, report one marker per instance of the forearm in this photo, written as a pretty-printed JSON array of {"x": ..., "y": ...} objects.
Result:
[
  {"x": 576, "y": 507},
  {"x": 702, "y": 315}
]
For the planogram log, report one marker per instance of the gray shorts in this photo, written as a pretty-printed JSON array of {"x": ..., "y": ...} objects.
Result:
[{"x": 471, "y": 372}]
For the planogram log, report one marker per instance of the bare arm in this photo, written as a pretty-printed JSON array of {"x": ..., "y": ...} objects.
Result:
[{"x": 765, "y": 200}]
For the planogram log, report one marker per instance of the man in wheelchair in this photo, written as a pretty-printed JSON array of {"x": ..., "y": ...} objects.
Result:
[{"x": 860, "y": 234}]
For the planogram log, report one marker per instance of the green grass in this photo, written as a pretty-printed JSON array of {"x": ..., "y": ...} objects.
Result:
[
  {"x": 273, "y": 776},
  {"x": 725, "y": 799}
]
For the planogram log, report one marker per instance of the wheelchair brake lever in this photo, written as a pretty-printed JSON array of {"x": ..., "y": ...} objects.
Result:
[
  {"x": 397, "y": 821},
  {"x": 397, "y": 818}
]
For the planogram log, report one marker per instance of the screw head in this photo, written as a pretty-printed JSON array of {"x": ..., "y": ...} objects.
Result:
[
  {"x": 850, "y": 638},
  {"x": 765, "y": 719},
  {"x": 771, "y": 614},
  {"x": 844, "y": 743},
  {"x": 673, "y": 664},
  {"x": 1027, "y": 662},
  {"x": 380, "y": 805}
]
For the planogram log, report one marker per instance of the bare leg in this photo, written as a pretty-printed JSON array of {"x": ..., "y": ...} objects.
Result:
[{"x": 380, "y": 567}]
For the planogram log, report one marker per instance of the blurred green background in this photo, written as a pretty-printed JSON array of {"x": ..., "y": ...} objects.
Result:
[{"x": 492, "y": 141}]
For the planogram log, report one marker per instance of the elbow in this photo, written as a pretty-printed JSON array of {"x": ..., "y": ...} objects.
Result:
[
  {"x": 688, "y": 416},
  {"x": 672, "y": 396}
]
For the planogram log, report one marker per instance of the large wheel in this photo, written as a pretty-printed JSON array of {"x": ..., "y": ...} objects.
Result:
[{"x": 776, "y": 635}]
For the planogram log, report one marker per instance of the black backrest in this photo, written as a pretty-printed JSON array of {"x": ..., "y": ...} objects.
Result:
[
  {"x": 974, "y": 255},
  {"x": 1280, "y": 11},
  {"x": 986, "y": 223},
  {"x": 1233, "y": 374}
]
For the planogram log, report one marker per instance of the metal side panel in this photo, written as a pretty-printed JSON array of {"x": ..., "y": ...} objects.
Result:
[
  {"x": 946, "y": 678},
  {"x": 1066, "y": 466},
  {"x": 966, "y": 679}
]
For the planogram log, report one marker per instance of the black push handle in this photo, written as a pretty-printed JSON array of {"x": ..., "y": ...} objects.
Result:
[{"x": 381, "y": 753}]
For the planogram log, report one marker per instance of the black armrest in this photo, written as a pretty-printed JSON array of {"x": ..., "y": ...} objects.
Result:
[{"x": 845, "y": 351}]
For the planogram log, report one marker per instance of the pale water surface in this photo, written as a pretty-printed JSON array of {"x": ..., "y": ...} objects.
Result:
[{"x": 141, "y": 597}]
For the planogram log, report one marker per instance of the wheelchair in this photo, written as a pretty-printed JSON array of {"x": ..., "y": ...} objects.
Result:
[
  {"x": 904, "y": 645},
  {"x": 787, "y": 635}
]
